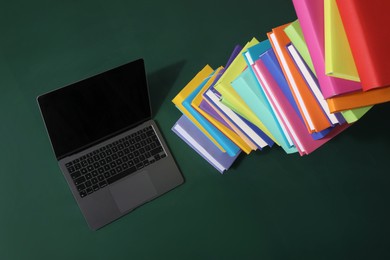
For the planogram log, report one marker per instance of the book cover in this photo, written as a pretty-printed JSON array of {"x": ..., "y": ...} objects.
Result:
[
  {"x": 270, "y": 61},
  {"x": 366, "y": 24},
  {"x": 201, "y": 144},
  {"x": 195, "y": 103},
  {"x": 239, "y": 124},
  {"x": 294, "y": 29},
  {"x": 247, "y": 87},
  {"x": 229, "y": 96},
  {"x": 297, "y": 129},
  {"x": 339, "y": 61},
  {"x": 312, "y": 113},
  {"x": 190, "y": 87},
  {"x": 229, "y": 146},
  {"x": 312, "y": 83},
  {"x": 311, "y": 18},
  {"x": 294, "y": 32}
]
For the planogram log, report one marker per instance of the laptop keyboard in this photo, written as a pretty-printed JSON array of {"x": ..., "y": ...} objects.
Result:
[{"x": 114, "y": 161}]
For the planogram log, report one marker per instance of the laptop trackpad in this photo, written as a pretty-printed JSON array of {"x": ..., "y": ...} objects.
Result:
[{"x": 133, "y": 191}]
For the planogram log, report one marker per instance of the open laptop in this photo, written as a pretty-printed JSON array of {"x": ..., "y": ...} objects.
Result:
[{"x": 109, "y": 149}]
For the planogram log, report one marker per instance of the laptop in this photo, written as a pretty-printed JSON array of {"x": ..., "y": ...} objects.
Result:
[{"x": 109, "y": 149}]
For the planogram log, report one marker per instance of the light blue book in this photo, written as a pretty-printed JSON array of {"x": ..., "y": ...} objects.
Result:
[
  {"x": 230, "y": 148},
  {"x": 250, "y": 90},
  {"x": 246, "y": 86}
]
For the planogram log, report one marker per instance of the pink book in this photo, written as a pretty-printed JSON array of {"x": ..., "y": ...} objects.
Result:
[
  {"x": 290, "y": 119},
  {"x": 311, "y": 18}
]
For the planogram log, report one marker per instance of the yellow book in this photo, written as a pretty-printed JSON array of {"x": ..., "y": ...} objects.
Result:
[
  {"x": 231, "y": 98},
  {"x": 234, "y": 137},
  {"x": 186, "y": 91},
  {"x": 339, "y": 61}
]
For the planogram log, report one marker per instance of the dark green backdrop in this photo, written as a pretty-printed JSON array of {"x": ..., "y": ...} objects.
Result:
[{"x": 332, "y": 204}]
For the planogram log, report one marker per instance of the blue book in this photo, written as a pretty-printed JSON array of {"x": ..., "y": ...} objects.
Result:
[
  {"x": 231, "y": 148},
  {"x": 271, "y": 62},
  {"x": 199, "y": 142}
]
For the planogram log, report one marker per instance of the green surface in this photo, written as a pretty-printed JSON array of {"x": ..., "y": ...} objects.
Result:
[{"x": 332, "y": 204}]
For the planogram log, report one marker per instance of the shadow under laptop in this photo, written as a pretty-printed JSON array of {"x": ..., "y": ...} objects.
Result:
[{"x": 161, "y": 81}]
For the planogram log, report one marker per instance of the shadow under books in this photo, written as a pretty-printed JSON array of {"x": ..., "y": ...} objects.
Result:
[{"x": 161, "y": 81}]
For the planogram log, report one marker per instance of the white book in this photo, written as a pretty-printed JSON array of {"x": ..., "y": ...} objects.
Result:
[{"x": 312, "y": 83}]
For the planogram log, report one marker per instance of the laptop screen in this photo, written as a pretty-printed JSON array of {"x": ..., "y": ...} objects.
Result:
[{"x": 83, "y": 113}]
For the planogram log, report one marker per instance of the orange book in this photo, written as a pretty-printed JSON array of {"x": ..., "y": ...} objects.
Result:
[
  {"x": 358, "y": 99},
  {"x": 312, "y": 113}
]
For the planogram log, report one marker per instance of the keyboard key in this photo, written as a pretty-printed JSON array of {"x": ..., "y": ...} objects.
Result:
[
  {"x": 83, "y": 194},
  {"x": 71, "y": 169},
  {"x": 75, "y": 175},
  {"x": 89, "y": 190},
  {"x": 102, "y": 184},
  {"x": 88, "y": 183},
  {"x": 139, "y": 165},
  {"x": 68, "y": 164},
  {"x": 95, "y": 187},
  {"x": 88, "y": 176},
  {"x": 121, "y": 175},
  {"x": 79, "y": 180},
  {"x": 156, "y": 151},
  {"x": 94, "y": 180},
  {"x": 100, "y": 178},
  {"x": 81, "y": 187}
]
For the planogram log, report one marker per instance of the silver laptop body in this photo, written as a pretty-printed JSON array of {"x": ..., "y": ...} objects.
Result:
[{"x": 109, "y": 149}]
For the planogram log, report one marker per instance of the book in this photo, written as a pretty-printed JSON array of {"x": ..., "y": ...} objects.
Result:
[
  {"x": 246, "y": 86},
  {"x": 201, "y": 144},
  {"x": 311, "y": 19},
  {"x": 359, "y": 99},
  {"x": 312, "y": 83},
  {"x": 209, "y": 109},
  {"x": 190, "y": 87},
  {"x": 294, "y": 32},
  {"x": 273, "y": 66},
  {"x": 312, "y": 113},
  {"x": 339, "y": 61},
  {"x": 227, "y": 131},
  {"x": 229, "y": 96},
  {"x": 228, "y": 145},
  {"x": 298, "y": 131},
  {"x": 365, "y": 24},
  {"x": 250, "y": 90}
]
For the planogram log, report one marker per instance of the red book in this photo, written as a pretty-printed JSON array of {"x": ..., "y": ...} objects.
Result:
[{"x": 366, "y": 25}]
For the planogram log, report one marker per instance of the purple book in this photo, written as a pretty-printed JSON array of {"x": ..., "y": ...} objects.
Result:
[
  {"x": 199, "y": 142},
  {"x": 204, "y": 105}
]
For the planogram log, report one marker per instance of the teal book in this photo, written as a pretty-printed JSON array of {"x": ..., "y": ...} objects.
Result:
[
  {"x": 249, "y": 89},
  {"x": 230, "y": 148}
]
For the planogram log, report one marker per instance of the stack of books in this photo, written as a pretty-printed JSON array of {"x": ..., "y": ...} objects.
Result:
[{"x": 308, "y": 81}]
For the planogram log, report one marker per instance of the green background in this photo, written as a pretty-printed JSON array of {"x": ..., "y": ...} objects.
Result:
[{"x": 332, "y": 204}]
